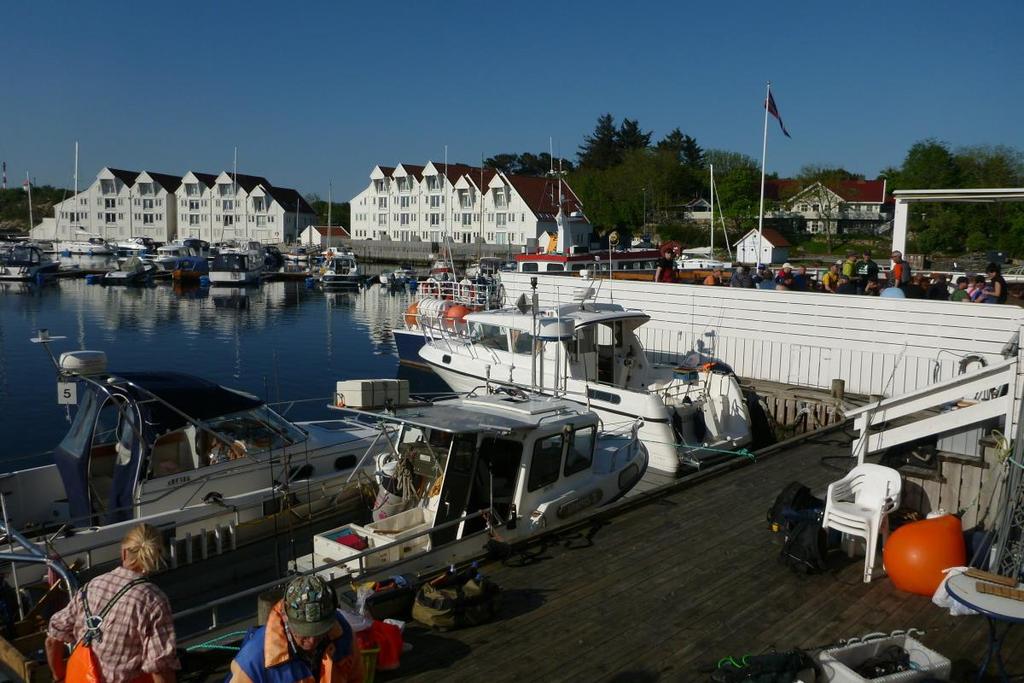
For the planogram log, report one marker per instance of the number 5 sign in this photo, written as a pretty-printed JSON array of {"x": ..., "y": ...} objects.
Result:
[{"x": 67, "y": 393}]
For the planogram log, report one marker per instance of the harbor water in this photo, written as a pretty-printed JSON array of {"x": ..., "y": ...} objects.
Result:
[{"x": 281, "y": 341}]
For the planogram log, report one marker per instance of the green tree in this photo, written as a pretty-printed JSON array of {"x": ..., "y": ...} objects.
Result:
[
  {"x": 928, "y": 164},
  {"x": 629, "y": 137},
  {"x": 726, "y": 162},
  {"x": 601, "y": 149},
  {"x": 684, "y": 147}
]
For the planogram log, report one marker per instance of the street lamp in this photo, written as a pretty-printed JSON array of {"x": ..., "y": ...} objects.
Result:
[{"x": 644, "y": 221}]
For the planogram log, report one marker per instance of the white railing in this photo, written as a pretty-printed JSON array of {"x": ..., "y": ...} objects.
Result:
[{"x": 971, "y": 398}]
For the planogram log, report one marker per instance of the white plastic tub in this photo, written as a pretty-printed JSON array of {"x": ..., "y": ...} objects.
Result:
[{"x": 836, "y": 663}]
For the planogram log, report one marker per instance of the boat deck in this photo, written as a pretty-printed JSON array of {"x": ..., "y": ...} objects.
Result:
[
  {"x": 671, "y": 582},
  {"x": 665, "y": 589}
]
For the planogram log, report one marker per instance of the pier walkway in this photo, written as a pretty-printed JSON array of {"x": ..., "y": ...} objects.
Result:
[{"x": 662, "y": 591}]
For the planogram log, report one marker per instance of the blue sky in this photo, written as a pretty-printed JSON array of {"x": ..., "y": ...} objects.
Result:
[{"x": 317, "y": 92}]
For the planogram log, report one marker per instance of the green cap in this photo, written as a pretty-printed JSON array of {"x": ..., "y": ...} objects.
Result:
[{"x": 309, "y": 604}]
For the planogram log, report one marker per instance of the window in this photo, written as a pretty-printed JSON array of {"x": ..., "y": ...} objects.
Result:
[
  {"x": 120, "y": 216},
  {"x": 228, "y": 205},
  {"x": 433, "y": 183},
  {"x": 522, "y": 342},
  {"x": 159, "y": 202},
  {"x": 138, "y": 216},
  {"x": 193, "y": 219},
  {"x": 382, "y": 202},
  {"x": 147, "y": 203},
  {"x": 84, "y": 201},
  {"x": 147, "y": 219},
  {"x": 500, "y": 220},
  {"x": 378, "y": 185},
  {"x": 547, "y": 461},
  {"x": 229, "y": 220},
  {"x": 501, "y": 238},
  {"x": 529, "y": 268},
  {"x": 467, "y": 219},
  {"x": 435, "y": 201},
  {"x": 159, "y": 216},
  {"x": 206, "y": 203},
  {"x": 435, "y": 219},
  {"x": 226, "y": 189},
  {"x": 107, "y": 187},
  {"x": 465, "y": 199},
  {"x": 581, "y": 451},
  {"x": 120, "y": 201},
  {"x": 499, "y": 199},
  {"x": 261, "y": 221},
  {"x": 109, "y": 203},
  {"x": 192, "y": 189},
  {"x": 259, "y": 204},
  {"x": 193, "y": 205},
  {"x": 145, "y": 189},
  {"x": 382, "y": 219},
  {"x": 110, "y": 218},
  {"x": 491, "y": 337}
]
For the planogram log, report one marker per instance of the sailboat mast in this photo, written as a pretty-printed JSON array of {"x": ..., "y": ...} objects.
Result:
[
  {"x": 711, "y": 168},
  {"x": 28, "y": 185}
]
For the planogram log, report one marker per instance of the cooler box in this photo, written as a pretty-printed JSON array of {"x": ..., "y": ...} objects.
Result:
[{"x": 837, "y": 664}]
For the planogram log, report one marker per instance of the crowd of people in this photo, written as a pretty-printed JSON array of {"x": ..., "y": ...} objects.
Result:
[{"x": 861, "y": 276}]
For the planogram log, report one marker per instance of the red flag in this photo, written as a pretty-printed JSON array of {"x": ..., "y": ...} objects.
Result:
[{"x": 774, "y": 111}]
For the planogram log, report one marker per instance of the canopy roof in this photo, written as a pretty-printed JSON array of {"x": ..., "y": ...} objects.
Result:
[
  {"x": 198, "y": 398},
  {"x": 496, "y": 413},
  {"x": 587, "y": 314}
]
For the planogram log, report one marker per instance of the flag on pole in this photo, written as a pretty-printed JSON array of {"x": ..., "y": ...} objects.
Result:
[
  {"x": 774, "y": 111},
  {"x": 25, "y": 185}
]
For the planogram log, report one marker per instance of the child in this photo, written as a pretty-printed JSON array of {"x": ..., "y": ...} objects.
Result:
[
  {"x": 960, "y": 293},
  {"x": 981, "y": 294}
]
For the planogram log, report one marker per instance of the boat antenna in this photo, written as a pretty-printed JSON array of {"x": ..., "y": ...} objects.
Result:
[{"x": 711, "y": 192}]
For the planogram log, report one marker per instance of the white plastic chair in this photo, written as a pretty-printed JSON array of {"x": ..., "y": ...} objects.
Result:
[{"x": 859, "y": 505}]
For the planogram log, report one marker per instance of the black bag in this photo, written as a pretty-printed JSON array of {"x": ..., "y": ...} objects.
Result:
[
  {"x": 788, "y": 505},
  {"x": 806, "y": 545}
]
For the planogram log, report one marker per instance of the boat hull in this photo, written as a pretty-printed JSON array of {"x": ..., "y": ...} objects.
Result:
[
  {"x": 235, "y": 278},
  {"x": 409, "y": 343}
]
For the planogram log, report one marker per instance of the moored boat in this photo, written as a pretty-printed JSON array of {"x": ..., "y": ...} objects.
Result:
[
  {"x": 131, "y": 271},
  {"x": 238, "y": 265},
  {"x": 26, "y": 262}
]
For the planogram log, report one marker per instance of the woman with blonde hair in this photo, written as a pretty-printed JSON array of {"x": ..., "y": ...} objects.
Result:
[{"x": 135, "y": 641}]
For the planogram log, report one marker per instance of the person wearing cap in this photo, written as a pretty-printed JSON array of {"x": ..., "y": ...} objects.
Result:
[
  {"x": 845, "y": 285},
  {"x": 305, "y": 639},
  {"x": 867, "y": 271},
  {"x": 784, "y": 280},
  {"x": 901, "y": 274}
]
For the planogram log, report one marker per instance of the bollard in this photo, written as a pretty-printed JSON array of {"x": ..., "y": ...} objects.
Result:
[{"x": 838, "y": 389}]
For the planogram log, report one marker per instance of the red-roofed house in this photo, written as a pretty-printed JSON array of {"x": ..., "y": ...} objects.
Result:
[
  {"x": 845, "y": 206},
  {"x": 323, "y": 236},
  {"x": 467, "y": 203},
  {"x": 772, "y": 247}
]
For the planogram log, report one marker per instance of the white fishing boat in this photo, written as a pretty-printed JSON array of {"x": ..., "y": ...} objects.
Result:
[
  {"x": 462, "y": 472},
  {"x": 340, "y": 269},
  {"x": 135, "y": 246},
  {"x": 26, "y": 262},
  {"x": 201, "y": 462},
  {"x": 589, "y": 352},
  {"x": 238, "y": 265}
]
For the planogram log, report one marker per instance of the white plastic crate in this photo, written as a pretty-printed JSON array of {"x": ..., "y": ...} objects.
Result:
[{"x": 837, "y": 663}]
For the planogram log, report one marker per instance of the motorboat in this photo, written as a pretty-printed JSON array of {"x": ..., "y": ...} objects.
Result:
[
  {"x": 274, "y": 259},
  {"x": 298, "y": 254},
  {"x": 487, "y": 267},
  {"x": 400, "y": 277},
  {"x": 238, "y": 265},
  {"x": 131, "y": 271},
  {"x": 203, "y": 463},
  {"x": 190, "y": 268},
  {"x": 434, "y": 301},
  {"x": 589, "y": 352},
  {"x": 340, "y": 269},
  {"x": 26, "y": 261},
  {"x": 89, "y": 245},
  {"x": 135, "y": 246},
  {"x": 464, "y": 472}
]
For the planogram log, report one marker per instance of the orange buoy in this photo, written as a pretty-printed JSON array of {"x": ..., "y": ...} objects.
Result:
[
  {"x": 454, "y": 315},
  {"x": 916, "y": 553},
  {"x": 411, "y": 313}
]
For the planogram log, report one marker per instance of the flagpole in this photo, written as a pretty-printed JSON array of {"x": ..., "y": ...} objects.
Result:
[
  {"x": 28, "y": 184},
  {"x": 764, "y": 154}
]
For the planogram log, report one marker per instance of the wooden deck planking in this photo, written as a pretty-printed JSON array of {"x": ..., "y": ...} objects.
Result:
[{"x": 672, "y": 585}]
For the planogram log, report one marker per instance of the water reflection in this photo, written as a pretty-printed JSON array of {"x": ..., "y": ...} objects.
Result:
[{"x": 278, "y": 339}]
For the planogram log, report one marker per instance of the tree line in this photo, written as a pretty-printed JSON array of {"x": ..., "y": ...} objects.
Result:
[{"x": 630, "y": 182}]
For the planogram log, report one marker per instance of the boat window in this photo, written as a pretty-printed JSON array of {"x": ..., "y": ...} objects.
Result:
[
  {"x": 528, "y": 268},
  {"x": 492, "y": 337},
  {"x": 579, "y": 266},
  {"x": 581, "y": 450},
  {"x": 174, "y": 452},
  {"x": 257, "y": 429},
  {"x": 229, "y": 262},
  {"x": 522, "y": 342},
  {"x": 555, "y": 267},
  {"x": 546, "y": 463}
]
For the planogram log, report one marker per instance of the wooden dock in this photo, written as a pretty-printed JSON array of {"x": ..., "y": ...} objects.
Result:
[
  {"x": 665, "y": 589},
  {"x": 670, "y": 583}
]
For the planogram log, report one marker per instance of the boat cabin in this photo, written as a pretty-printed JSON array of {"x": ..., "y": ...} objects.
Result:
[
  {"x": 23, "y": 255},
  {"x": 637, "y": 260},
  {"x": 136, "y": 428}
]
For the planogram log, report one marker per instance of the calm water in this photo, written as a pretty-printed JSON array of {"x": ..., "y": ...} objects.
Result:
[{"x": 280, "y": 341}]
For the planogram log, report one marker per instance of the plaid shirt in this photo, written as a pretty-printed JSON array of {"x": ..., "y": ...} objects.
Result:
[{"x": 138, "y": 633}]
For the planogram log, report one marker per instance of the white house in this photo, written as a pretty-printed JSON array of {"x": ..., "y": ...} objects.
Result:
[
  {"x": 120, "y": 204},
  {"x": 469, "y": 204},
  {"x": 845, "y": 206},
  {"x": 323, "y": 236},
  {"x": 774, "y": 248}
]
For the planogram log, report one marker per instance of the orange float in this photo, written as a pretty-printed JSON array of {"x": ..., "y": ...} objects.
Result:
[
  {"x": 411, "y": 313},
  {"x": 454, "y": 315},
  {"x": 916, "y": 553}
]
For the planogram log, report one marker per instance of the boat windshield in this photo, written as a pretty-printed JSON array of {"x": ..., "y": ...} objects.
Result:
[
  {"x": 258, "y": 429},
  {"x": 230, "y": 262},
  {"x": 22, "y": 255}
]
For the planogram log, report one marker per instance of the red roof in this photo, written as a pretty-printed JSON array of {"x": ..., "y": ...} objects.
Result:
[
  {"x": 771, "y": 235},
  {"x": 412, "y": 170},
  {"x": 333, "y": 231},
  {"x": 849, "y": 190},
  {"x": 541, "y": 194}
]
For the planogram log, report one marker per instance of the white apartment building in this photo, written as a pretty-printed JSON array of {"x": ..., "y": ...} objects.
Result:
[
  {"x": 122, "y": 204},
  {"x": 242, "y": 207},
  {"x": 119, "y": 204},
  {"x": 423, "y": 203}
]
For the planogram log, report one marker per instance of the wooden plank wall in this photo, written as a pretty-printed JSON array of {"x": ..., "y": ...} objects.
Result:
[
  {"x": 973, "y": 488},
  {"x": 877, "y": 345}
]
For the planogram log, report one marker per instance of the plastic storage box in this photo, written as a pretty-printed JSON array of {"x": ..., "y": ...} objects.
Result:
[{"x": 837, "y": 663}]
